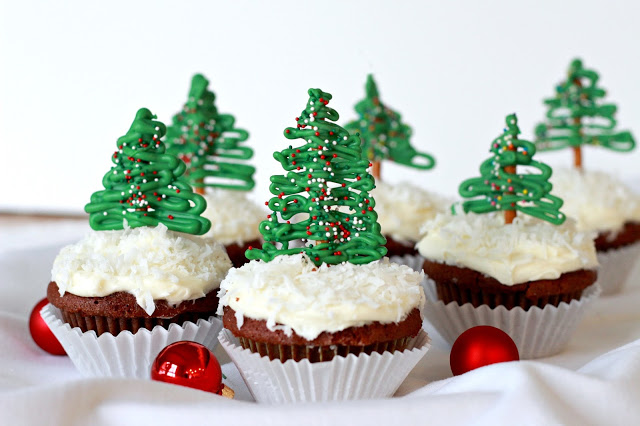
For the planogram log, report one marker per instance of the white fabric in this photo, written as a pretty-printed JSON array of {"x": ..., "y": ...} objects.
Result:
[{"x": 594, "y": 381}]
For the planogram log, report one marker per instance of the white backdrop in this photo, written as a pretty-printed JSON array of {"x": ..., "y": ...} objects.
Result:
[{"x": 73, "y": 74}]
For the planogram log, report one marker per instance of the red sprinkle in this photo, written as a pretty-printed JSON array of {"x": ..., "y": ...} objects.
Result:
[{"x": 170, "y": 217}]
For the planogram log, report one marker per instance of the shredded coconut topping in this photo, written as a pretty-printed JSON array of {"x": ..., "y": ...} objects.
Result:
[
  {"x": 596, "y": 200},
  {"x": 234, "y": 218},
  {"x": 403, "y": 208},
  {"x": 529, "y": 249},
  {"x": 291, "y": 293},
  {"x": 150, "y": 263}
]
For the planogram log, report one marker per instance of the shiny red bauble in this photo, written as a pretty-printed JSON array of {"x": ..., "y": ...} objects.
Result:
[
  {"x": 188, "y": 364},
  {"x": 41, "y": 333},
  {"x": 480, "y": 346}
]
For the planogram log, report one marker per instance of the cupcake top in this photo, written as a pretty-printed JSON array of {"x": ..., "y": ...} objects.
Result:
[
  {"x": 403, "y": 208},
  {"x": 234, "y": 218},
  {"x": 528, "y": 249},
  {"x": 596, "y": 200},
  {"x": 291, "y": 293},
  {"x": 152, "y": 263}
]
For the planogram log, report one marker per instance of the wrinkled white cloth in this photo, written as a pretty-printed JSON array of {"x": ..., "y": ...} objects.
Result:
[{"x": 594, "y": 381}]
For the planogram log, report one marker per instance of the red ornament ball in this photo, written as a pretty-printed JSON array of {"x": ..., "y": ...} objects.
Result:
[
  {"x": 41, "y": 333},
  {"x": 188, "y": 364},
  {"x": 480, "y": 346}
]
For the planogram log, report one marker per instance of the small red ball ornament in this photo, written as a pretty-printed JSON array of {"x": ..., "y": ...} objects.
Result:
[
  {"x": 41, "y": 333},
  {"x": 188, "y": 364},
  {"x": 480, "y": 346}
]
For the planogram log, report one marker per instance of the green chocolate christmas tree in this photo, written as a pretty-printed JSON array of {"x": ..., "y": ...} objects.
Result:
[
  {"x": 145, "y": 186},
  {"x": 209, "y": 143},
  {"x": 502, "y": 188},
  {"x": 322, "y": 203},
  {"x": 577, "y": 117},
  {"x": 384, "y": 136}
]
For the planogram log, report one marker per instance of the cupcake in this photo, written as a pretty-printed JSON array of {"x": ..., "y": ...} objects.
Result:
[
  {"x": 477, "y": 259},
  {"x": 115, "y": 281},
  {"x": 402, "y": 208},
  {"x": 318, "y": 308},
  {"x": 212, "y": 147},
  {"x": 522, "y": 268},
  {"x": 604, "y": 206},
  {"x": 291, "y": 309},
  {"x": 140, "y": 279},
  {"x": 600, "y": 203}
]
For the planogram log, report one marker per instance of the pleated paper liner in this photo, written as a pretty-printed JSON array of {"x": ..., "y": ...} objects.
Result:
[
  {"x": 362, "y": 376},
  {"x": 616, "y": 266},
  {"x": 537, "y": 332},
  {"x": 127, "y": 354}
]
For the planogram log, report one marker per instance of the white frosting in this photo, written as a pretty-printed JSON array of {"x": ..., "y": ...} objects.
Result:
[
  {"x": 293, "y": 292},
  {"x": 403, "y": 208},
  {"x": 529, "y": 249},
  {"x": 234, "y": 218},
  {"x": 596, "y": 200},
  {"x": 150, "y": 263}
]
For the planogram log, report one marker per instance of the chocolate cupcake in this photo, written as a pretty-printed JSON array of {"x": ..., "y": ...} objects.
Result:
[
  {"x": 319, "y": 308},
  {"x": 214, "y": 150},
  {"x": 522, "y": 267},
  {"x": 142, "y": 278},
  {"x": 578, "y": 115},
  {"x": 290, "y": 309},
  {"x": 477, "y": 259},
  {"x": 402, "y": 208},
  {"x": 284, "y": 316},
  {"x": 605, "y": 207},
  {"x": 137, "y": 278}
]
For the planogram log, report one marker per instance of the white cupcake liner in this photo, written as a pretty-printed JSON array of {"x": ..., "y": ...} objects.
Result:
[
  {"x": 127, "y": 354},
  {"x": 343, "y": 378},
  {"x": 615, "y": 267},
  {"x": 537, "y": 332},
  {"x": 414, "y": 261}
]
